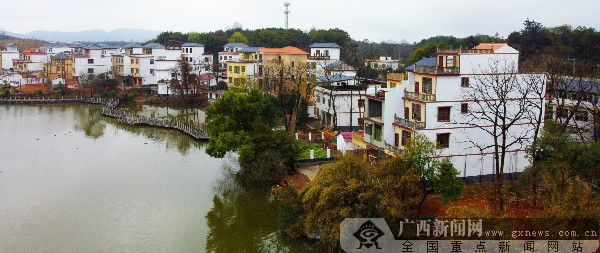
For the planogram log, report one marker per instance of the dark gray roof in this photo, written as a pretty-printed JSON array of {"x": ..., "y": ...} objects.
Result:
[
  {"x": 92, "y": 47},
  {"x": 48, "y": 45},
  {"x": 235, "y": 45},
  {"x": 153, "y": 45},
  {"x": 131, "y": 45},
  {"x": 249, "y": 49},
  {"x": 61, "y": 56},
  {"x": 109, "y": 47},
  {"x": 192, "y": 45},
  {"x": 325, "y": 45},
  {"x": 423, "y": 62},
  {"x": 579, "y": 85},
  {"x": 336, "y": 78}
]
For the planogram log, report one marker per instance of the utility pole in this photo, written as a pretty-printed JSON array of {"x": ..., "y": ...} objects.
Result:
[{"x": 287, "y": 13}]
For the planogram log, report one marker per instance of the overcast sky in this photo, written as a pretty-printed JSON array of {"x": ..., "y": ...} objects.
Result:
[{"x": 375, "y": 20}]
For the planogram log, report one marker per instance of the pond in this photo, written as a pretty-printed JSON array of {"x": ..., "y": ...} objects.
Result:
[{"x": 72, "y": 180}]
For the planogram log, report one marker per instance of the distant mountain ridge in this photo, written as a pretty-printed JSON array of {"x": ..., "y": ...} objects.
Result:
[{"x": 138, "y": 35}]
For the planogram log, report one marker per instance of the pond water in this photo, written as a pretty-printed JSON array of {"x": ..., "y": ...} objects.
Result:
[{"x": 72, "y": 180}]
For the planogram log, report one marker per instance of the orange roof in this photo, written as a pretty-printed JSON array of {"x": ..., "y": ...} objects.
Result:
[
  {"x": 492, "y": 46},
  {"x": 284, "y": 50}
]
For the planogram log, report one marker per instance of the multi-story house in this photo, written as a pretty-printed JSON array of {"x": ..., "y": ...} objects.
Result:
[
  {"x": 30, "y": 62},
  {"x": 60, "y": 66},
  {"x": 383, "y": 63},
  {"x": 437, "y": 102},
  {"x": 55, "y": 48},
  {"x": 245, "y": 69},
  {"x": 340, "y": 106},
  {"x": 323, "y": 54},
  {"x": 9, "y": 54},
  {"x": 230, "y": 53},
  {"x": 271, "y": 60},
  {"x": 92, "y": 61},
  {"x": 194, "y": 54}
]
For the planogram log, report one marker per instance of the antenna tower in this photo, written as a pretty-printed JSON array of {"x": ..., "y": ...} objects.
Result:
[{"x": 287, "y": 13}]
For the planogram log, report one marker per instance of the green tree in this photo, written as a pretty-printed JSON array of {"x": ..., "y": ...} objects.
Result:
[
  {"x": 243, "y": 123},
  {"x": 435, "y": 176},
  {"x": 352, "y": 187},
  {"x": 238, "y": 37},
  {"x": 425, "y": 51}
]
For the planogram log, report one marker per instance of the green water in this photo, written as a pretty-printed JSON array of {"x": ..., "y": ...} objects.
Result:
[{"x": 72, "y": 180}]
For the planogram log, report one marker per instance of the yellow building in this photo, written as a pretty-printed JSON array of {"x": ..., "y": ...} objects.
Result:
[
  {"x": 135, "y": 70},
  {"x": 395, "y": 79},
  {"x": 244, "y": 70},
  {"x": 118, "y": 65},
  {"x": 291, "y": 62},
  {"x": 61, "y": 66}
]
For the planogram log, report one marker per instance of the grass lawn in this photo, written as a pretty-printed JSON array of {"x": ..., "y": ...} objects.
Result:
[{"x": 305, "y": 151}]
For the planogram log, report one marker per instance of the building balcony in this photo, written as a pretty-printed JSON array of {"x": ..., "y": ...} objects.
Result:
[
  {"x": 319, "y": 57},
  {"x": 438, "y": 70},
  {"x": 419, "y": 96},
  {"x": 394, "y": 148},
  {"x": 408, "y": 123}
]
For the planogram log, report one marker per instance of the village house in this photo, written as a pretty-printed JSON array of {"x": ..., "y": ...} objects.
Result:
[
  {"x": 433, "y": 102},
  {"x": 10, "y": 53},
  {"x": 245, "y": 69},
  {"x": 383, "y": 63}
]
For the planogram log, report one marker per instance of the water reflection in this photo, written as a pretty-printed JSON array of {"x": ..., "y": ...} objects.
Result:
[
  {"x": 194, "y": 115},
  {"x": 247, "y": 220},
  {"x": 90, "y": 121}
]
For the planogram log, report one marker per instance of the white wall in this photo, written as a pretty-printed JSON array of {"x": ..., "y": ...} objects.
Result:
[{"x": 334, "y": 53}]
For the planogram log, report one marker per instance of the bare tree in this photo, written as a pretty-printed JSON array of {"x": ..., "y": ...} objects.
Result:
[
  {"x": 501, "y": 106},
  {"x": 183, "y": 78}
]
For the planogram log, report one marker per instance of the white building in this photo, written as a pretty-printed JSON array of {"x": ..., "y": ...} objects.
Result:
[
  {"x": 438, "y": 102},
  {"x": 384, "y": 63},
  {"x": 340, "y": 105},
  {"x": 322, "y": 55},
  {"x": 9, "y": 54}
]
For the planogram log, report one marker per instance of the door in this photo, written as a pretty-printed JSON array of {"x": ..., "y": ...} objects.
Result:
[
  {"x": 440, "y": 61},
  {"x": 406, "y": 113},
  {"x": 396, "y": 139},
  {"x": 417, "y": 90}
]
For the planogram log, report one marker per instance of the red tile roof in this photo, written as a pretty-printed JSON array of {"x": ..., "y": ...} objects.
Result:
[
  {"x": 492, "y": 46},
  {"x": 284, "y": 50}
]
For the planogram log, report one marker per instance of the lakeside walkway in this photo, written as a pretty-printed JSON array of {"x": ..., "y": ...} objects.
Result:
[{"x": 110, "y": 110}]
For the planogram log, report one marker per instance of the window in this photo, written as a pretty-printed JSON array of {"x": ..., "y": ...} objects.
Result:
[
  {"x": 396, "y": 139},
  {"x": 151, "y": 71},
  {"x": 326, "y": 52},
  {"x": 464, "y": 108},
  {"x": 377, "y": 132},
  {"x": 206, "y": 59},
  {"x": 416, "y": 108},
  {"x": 236, "y": 69},
  {"x": 549, "y": 112},
  {"x": 581, "y": 116},
  {"x": 443, "y": 114},
  {"x": 151, "y": 61},
  {"x": 90, "y": 71},
  {"x": 405, "y": 137},
  {"x": 230, "y": 79},
  {"x": 90, "y": 61},
  {"x": 318, "y": 52},
  {"x": 293, "y": 64},
  {"x": 450, "y": 61},
  {"x": 131, "y": 61},
  {"x": 243, "y": 69},
  {"x": 230, "y": 57},
  {"x": 361, "y": 123},
  {"x": 191, "y": 50},
  {"x": 427, "y": 85},
  {"x": 464, "y": 82},
  {"x": 562, "y": 113},
  {"x": 57, "y": 68},
  {"x": 230, "y": 68},
  {"x": 443, "y": 140},
  {"x": 361, "y": 103},
  {"x": 131, "y": 70},
  {"x": 137, "y": 61}
]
